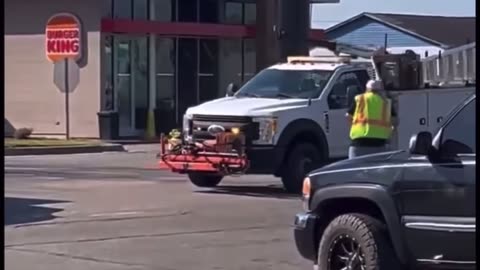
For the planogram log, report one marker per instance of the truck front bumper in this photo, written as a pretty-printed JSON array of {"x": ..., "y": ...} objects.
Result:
[
  {"x": 305, "y": 235},
  {"x": 265, "y": 159}
]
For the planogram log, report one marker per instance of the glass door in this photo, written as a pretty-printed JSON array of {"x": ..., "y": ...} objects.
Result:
[
  {"x": 187, "y": 90},
  {"x": 131, "y": 84},
  {"x": 122, "y": 84},
  {"x": 166, "y": 97},
  {"x": 207, "y": 76},
  {"x": 140, "y": 83}
]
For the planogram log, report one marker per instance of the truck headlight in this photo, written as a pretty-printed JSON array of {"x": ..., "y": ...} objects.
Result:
[
  {"x": 267, "y": 129},
  {"x": 187, "y": 119}
]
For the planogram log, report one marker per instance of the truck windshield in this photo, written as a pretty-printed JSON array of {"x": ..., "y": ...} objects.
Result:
[{"x": 276, "y": 83}]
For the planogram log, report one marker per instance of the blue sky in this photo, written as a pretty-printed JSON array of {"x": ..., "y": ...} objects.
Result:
[{"x": 326, "y": 15}]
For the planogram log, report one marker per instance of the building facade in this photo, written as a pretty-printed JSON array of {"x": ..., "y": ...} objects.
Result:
[{"x": 141, "y": 56}]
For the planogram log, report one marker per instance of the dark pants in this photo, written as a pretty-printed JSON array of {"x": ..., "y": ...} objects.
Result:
[{"x": 357, "y": 151}]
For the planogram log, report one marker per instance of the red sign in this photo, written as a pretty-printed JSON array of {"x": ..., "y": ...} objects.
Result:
[{"x": 63, "y": 37}]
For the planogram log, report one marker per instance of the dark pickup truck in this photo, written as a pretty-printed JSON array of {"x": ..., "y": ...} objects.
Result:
[{"x": 396, "y": 210}]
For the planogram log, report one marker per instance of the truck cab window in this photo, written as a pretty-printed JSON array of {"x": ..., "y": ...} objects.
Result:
[
  {"x": 337, "y": 99},
  {"x": 278, "y": 83},
  {"x": 459, "y": 134},
  {"x": 363, "y": 78}
]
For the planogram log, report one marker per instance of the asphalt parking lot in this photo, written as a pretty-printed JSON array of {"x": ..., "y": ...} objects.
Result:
[{"x": 112, "y": 211}]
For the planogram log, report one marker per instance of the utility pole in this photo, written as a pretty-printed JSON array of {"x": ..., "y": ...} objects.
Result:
[{"x": 282, "y": 29}]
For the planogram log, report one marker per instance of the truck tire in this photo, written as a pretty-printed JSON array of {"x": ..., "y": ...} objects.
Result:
[
  {"x": 302, "y": 159},
  {"x": 204, "y": 180},
  {"x": 353, "y": 239}
]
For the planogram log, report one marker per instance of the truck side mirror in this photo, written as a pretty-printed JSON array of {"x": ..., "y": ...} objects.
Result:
[
  {"x": 232, "y": 88},
  {"x": 421, "y": 143},
  {"x": 352, "y": 91}
]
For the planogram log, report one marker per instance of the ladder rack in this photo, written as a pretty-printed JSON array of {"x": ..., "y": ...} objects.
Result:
[
  {"x": 454, "y": 66},
  {"x": 319, "y": 59}
]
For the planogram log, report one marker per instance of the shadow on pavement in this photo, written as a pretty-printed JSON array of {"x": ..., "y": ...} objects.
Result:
[
  {"x": 252, "y": 191},
  {"x": 25, "y": 210}
]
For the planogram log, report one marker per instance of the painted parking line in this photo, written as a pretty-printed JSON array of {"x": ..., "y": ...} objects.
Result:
[
  {"x": 115, "y": 214},
  {"x": 51, "y": 178}
]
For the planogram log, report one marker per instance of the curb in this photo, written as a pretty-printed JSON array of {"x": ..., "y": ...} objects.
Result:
[
  {"x": 63, "y": 150},
  {"x": 133, "y": 142}
]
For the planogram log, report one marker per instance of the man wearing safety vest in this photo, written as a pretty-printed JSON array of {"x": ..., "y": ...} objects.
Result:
[{"x": 372, "y": 118}]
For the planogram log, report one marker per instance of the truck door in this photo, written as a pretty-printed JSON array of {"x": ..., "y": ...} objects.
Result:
[
  {"x": 336, "y": 123},
  {"x": 438, "y": 198}
]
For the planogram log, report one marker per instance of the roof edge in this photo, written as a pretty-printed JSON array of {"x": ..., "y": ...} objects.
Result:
[
  {"x": 373, "y": 17},
  {"x": 331, "y": 28}
]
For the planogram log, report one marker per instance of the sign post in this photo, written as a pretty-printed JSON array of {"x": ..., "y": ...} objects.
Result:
[
  {"x": 66, "y": 76},
  {"x": 67, "y": 102},
  {"x": 63, "y": 47}
]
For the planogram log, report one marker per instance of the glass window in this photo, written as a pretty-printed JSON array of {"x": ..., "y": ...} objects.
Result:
[
  {"x": 165, "y": 55},
  {"x": 124, "y": 98},
  {"x": 187, "y": 10},
  {"x": 208, "y": 11},
  {"x": 207, "y": 87},
  {"x": 250, "y": 13},
  {"x": 107, "y": 9},
  {"x": 459, "y": 134},
  {"x": 230, "y": 64},
  {"x": 165, "y": 84},
  {"x": 337, "y": 99},
  {"x": 208, "y": 55},
  {"x": 233, "y": 13},
  {"x": 108, "y": 64},
  {"x": 363, "y": 78},
  {"x": 166, "y": 114},
  {"x": 122, "y": 49},
  {"x": 165, "y": 98},
  {"x": 140, "y": 9},
  {"x": 123, "y": 83},
  {"x": 208, "y": 73},
  {"x": 249, "y": 59},
  {"x": 277, "y": 83},
  {"x": 164, "y": 10},
  {"x": 122, "y": 9},
  {"x": 140, "y": 80},
  {"x": 187, "y": 74},
  {"x": 165, "y": 72}
]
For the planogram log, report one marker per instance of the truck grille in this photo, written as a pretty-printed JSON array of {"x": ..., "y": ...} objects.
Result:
[
  {"x": 221, "y": 118},
  {"x": 200, "y": 124}
]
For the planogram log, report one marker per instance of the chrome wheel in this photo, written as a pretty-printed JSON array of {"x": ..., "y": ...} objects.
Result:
[{"x": 346, "y": 254}]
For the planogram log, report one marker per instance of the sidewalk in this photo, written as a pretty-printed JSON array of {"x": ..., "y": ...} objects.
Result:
[
  {"x": 142, "y": 148},
  {"x": 63, "y": 150},
  {"x": 134, "y": 141}
]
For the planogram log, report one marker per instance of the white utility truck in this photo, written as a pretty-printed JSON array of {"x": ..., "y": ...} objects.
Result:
[{"x": 290, "y": 118}]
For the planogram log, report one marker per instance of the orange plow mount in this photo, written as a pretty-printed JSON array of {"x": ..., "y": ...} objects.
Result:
[{"x": 224, "y": 155}]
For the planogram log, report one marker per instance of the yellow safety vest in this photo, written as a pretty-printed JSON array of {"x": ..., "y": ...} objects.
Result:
[{"x": 372, "y": 117}]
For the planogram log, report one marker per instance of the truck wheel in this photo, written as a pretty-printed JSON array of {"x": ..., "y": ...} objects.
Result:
[
  {"x": 356, "y": 241},
  {"x": 303, "y": 158},
  {"x": 204, "y": 180}
]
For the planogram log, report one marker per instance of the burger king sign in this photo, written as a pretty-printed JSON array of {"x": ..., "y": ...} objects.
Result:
[{"x": 63, "y": 38}]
